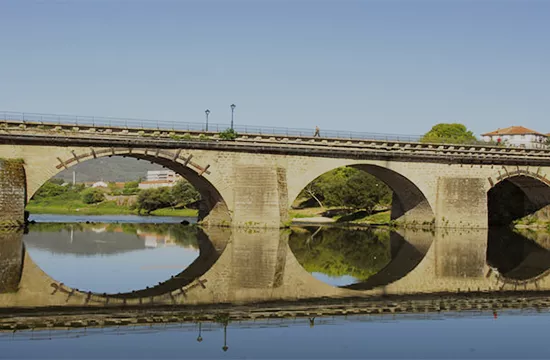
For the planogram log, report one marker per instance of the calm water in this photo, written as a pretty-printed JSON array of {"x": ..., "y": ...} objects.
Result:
[
  {"x": 110, "y": 218},
  {"x": 126, "y": 255},
  {"x": 111, "y": 258},
  {"x": 510, "y": 336},
  {"x": 121, "y": 254}
]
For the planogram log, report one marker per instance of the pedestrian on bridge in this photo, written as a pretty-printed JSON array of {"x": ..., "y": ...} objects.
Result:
[{"x": 317, "y": 133}]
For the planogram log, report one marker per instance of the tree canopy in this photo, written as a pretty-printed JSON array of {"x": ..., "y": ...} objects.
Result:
[
  {"x": 449, "y": 133},
  {"x": 182, "y": 193},
  {"x": 348, "y": 187}
]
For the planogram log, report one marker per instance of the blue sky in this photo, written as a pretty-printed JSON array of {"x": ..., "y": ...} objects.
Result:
[{"x": 376, "y": 66}]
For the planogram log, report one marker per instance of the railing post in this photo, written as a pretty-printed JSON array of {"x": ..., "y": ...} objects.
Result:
[{"x": 76, "y": 121}]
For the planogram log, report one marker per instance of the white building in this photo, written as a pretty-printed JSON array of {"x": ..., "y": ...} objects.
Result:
[
  {"x": 162, "y": 175},
  {"x": 102, "y": 184},
  {"x": 153, "y": 184},
  {"x": 517, "y": 136}
]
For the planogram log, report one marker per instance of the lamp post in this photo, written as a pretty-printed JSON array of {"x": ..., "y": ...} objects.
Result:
[
  {"x": 207, "y": 112},
  {"x": 233, "y": 106}
]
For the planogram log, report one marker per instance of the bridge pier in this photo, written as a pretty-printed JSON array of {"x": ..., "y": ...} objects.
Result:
[
  {"x": 461, "y": 203},
  {"x": 12, "y": 193},
  {"x": 260, "y": 196}
]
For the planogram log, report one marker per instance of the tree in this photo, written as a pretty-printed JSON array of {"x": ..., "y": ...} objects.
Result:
[
  {"x": 348, "y": 187},
  {"x": 184, "y": 193},
  {"x": 92, "y": 196},
  {"x": 449, "y": 133},
  {"x": 152, "y": 199},
  {"x": 50, "y": 189}
]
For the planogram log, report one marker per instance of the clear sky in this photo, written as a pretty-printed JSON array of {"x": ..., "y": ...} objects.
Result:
[{"x": 376, "y": 66}]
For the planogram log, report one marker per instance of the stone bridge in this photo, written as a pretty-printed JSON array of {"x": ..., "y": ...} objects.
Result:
[{"x": 252, "y": 180}]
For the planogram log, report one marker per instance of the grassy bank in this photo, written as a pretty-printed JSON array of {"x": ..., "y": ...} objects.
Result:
[
  {"x": 73, "y": 207},
  {"x": 358, "y": 217}
]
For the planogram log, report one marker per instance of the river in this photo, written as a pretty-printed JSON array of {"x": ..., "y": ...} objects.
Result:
[{"x": 151, "y": 255}]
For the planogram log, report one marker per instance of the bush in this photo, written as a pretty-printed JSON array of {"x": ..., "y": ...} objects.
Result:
[
  {"x": 228, "y": 134},
  {"x": 50, "y": 189},
  {"x": 92, "y": 196}
]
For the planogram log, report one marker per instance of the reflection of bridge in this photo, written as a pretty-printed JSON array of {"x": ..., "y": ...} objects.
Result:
[
  {"x": 253, "y": 180},
  {"x": 259, "y": 266}
]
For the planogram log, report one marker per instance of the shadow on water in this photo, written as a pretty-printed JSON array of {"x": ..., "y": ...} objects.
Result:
[{"x": 518, "y": 254}]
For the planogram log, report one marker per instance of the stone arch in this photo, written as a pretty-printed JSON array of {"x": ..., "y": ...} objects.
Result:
[
  {"x": 409, "y": 202},
  {"x": 517, "y": 194},
  {"x": 213, "y": 209}
]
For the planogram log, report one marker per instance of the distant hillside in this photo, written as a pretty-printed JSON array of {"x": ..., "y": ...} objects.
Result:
[{"x": 114, "y": 168}]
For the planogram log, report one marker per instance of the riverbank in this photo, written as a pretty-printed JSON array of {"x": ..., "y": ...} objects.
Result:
[
  {"x": 103, "y": 208},
  {"x": 318, "y": 215}
]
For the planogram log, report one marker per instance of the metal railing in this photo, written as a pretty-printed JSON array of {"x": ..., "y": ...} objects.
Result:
[{"x": 78, "y": 120}]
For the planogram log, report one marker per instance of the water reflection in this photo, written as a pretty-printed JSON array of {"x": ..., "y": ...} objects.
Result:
[
  {"x": 518, "y": 255},
  {"x": 360, "y": 258},
  {"x": 252, "y": 266},
  {"x": 111, "y": 258}
]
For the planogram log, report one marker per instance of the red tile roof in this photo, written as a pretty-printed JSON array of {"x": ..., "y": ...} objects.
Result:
[{"x": 512, "y": 130}]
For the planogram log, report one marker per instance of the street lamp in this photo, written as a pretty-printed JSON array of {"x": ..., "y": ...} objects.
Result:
[
  {"x": 207, "y": 112},
  {"x": 233, "y": 106}
]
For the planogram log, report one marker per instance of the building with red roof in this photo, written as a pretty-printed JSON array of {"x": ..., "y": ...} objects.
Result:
[{"x": 517, "y": 136}]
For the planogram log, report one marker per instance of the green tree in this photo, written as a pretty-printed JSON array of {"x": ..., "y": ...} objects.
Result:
[
  {"x": 349, "y": 188},
  {"x": 449, "y": 133},
  {"x": 184, "y": 193},
  {"x": 50, "y": 189},
  {"x": 92, "y": 196},
  {"x": 152, "y": 199}
]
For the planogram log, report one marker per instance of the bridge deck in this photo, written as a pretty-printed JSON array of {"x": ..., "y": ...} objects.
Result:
[{"x": 40, "y": 133}]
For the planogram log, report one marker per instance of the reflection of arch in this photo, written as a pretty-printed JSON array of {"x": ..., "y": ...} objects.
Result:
[
  {"x": 212, "y": 200},
  {"x": 515, "y": 195},
  {"x": 209, "y": 254},
  {"x": 515, "y": 258},
  {"x": 405, "y": 256}
]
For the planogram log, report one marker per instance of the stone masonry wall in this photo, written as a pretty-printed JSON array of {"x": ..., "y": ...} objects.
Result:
[
  {"x": 12, "y": 193},
  {"x": 258, "y": 189}
]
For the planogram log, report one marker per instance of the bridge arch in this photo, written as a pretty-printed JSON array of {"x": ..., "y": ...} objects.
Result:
[
  {"x": 517, "y": 194},
  {"x": 409, "y": 202},
  {"x": 213, "y": 208}
]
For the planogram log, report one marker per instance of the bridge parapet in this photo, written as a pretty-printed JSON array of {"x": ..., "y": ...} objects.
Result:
[{"x": 71, "y": 134}]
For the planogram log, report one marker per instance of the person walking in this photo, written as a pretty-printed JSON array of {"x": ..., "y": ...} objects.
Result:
[{"x": 317, "y": 133}]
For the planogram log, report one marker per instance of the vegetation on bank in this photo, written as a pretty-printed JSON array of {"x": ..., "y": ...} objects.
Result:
[{"x": 54, "y": 197}]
